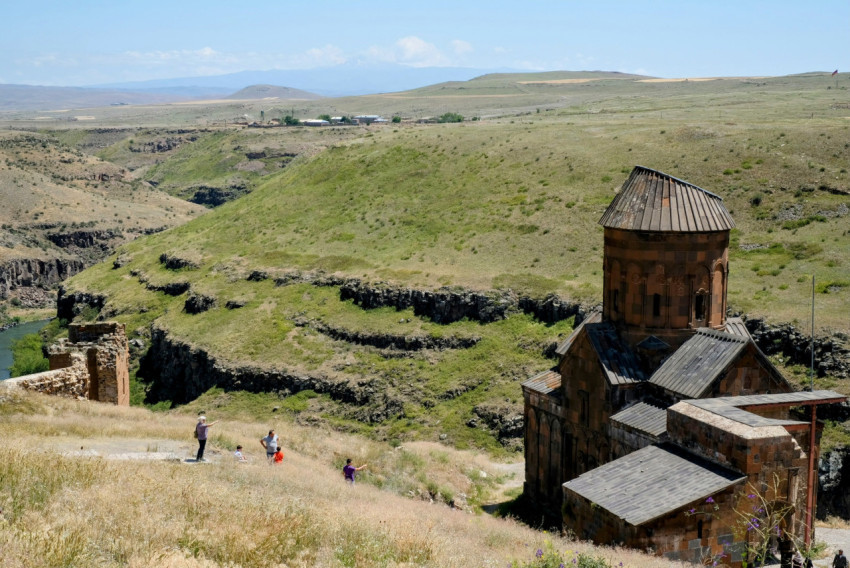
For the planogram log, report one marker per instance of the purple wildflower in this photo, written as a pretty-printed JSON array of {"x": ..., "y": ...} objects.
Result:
[
  {"x": 709, "y": 500},
  {"x": 561, "y": 565},
  {"x": 751, "y": 496},
  {"x": 539, "y": 553}
]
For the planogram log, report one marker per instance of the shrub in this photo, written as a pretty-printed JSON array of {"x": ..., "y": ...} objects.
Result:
[
  {"x": 28, "y": 358},
  {"x": 451, "y": 117}
]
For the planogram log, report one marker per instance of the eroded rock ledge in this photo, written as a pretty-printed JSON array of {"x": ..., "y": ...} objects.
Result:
[{"x": 21, "y": 274}]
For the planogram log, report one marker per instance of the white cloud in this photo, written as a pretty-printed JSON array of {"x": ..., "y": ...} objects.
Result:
[
  {"x": 324, "y": 56},
  {"x": 460, "y": 47},
  {"x": 417, "y": 52}
]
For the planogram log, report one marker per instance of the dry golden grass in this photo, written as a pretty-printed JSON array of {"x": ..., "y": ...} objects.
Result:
[{"x": 64, "y": 510}]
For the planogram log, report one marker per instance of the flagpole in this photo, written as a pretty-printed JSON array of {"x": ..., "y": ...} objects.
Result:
[{"x": 812, "y": 375}]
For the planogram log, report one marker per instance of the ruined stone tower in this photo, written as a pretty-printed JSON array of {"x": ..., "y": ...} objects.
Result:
[{"x": 92, "y": 363}]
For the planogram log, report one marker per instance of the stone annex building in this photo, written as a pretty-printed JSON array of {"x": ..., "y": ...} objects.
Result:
[{"x": 660, "y": 401}]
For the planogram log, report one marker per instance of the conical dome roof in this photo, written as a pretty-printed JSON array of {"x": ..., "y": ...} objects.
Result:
[{"x": 655, "y": 202}]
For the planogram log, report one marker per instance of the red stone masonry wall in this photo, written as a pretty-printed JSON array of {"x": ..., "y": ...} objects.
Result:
[
  {"x": 749, "y": 376},
  {"x": 589, "y": 403},
  {"x": 543, "y": 447},
  {"x": 676, "y": 266}
]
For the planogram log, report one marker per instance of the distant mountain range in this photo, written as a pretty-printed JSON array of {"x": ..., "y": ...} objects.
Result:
[
  {"x": 272, "y": 91},
  {"x": 342, "y": 80},
  {"x": 338, "y": 81}
]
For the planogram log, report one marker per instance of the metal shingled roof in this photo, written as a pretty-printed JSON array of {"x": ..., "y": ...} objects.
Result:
[
  {"x": 618, "y": 362},
  {"x": 651, "y": 482},
  {"x": 698, "y": 362},
  {"x": 656, "y": 202},
  {"x": 644, "y": 417},
  {"x": 797, "y": 398},
  {"x": 547, "y": 382}
]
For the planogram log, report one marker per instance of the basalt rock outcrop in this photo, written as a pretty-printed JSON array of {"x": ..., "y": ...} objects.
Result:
[
  {"x": 19, "y": 274},
  {"x": 441, "y": 306},
  {"x": 69, "y": 305},
  {"x": 199, "y": 303},
  {"x": 181, "y": 372},
  {"x": 102, "y": 239},
  {"x": 834, "y": 484},
  {"x": 389, "y": 341},
  {"x": 173, "y": 262},
  {"x": 832, "y": 353},
  {"x": 210, "y": 196}
]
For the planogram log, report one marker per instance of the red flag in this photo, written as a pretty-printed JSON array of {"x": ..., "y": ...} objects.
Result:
[{"x": 834, "y": 73}]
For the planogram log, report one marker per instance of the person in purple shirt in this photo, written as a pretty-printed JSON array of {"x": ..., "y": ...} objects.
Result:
[
  {"x": 349, "y": 470},
  {"x": 201, "y": 434}
]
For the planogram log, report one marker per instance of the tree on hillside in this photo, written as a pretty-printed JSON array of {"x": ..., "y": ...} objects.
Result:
[
  {"x": 290, "y": 120},
  {"x": 325, "y": 117}
]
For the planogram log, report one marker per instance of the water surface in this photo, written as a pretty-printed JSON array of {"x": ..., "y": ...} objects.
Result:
[{"x": 11, "y": 334}]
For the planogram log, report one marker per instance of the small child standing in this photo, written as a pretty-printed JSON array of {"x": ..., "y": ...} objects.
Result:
[{"x": 278, "y": 456}]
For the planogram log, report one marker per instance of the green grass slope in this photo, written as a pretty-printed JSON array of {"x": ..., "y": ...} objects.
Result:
[{"x": 509, "y": 203}]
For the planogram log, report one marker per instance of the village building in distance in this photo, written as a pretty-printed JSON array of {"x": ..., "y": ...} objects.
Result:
[{"x": 660, "y": 403}]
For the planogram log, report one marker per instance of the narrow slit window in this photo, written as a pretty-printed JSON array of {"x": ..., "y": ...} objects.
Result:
[
  {"x": 656, "y": 305},
  {"x": 699, "y": 308}
]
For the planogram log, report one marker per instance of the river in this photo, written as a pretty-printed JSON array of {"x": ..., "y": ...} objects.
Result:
[{"x": 11, "y": 334}]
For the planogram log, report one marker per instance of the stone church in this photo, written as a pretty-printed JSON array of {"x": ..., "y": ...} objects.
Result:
[{"x": 637, "y": 424}]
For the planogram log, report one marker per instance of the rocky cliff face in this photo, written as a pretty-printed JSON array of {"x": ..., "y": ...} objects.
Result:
[
  {"x": 447, "y": 305},
  {"x": 832, "y": 355},
  {"x": 834, "y": 484},
  {"x": 182, "y": 372},
  {"x": 29, "y": 278},
  {"x": 70, "y": 305}
]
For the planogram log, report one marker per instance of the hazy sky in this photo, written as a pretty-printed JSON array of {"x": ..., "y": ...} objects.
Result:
[{"x": 87, "y": 42}]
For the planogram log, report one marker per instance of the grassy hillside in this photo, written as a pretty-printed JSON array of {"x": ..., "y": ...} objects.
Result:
[
  {"x": 44, "y": 182},
  {"x": 64, "y": 466},
  {"x": 508, "y": 203}
]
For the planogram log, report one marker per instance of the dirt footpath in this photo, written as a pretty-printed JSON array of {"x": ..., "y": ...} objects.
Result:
[{"x": 835, "y": 539}]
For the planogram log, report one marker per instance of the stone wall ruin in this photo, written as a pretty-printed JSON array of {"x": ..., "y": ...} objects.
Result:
[{"x": 92, "y": 363}]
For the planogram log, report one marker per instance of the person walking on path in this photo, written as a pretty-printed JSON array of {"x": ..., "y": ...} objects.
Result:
[
  {"x": 201, "y": 433},
  {"x": 270, "y": 444},
  {"x": 840, "y": 561},
  {"x": 349, "y": 471}
]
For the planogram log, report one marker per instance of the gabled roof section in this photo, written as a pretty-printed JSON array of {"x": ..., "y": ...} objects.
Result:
[
  {"x": 547, "y": 382},
  {"x": 652, "y": 482},
  {"x": 643, "y": 417},
  {"x": 652, "y": 343},
  {"x": 616, "y": 358},
  {"x": 698, "y": 362},
  {"x": 656, "y": 202},
  {"x": 594, "y": 317}
]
